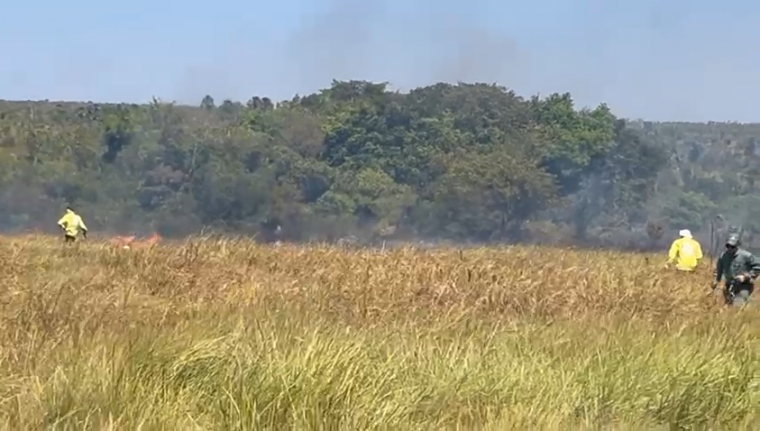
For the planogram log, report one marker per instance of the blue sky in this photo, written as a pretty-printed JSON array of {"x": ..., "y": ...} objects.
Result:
[{"x": 663, "y": 60}]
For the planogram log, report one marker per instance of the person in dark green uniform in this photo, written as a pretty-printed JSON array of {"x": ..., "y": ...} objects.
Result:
[{"x": 739, "y": 268}]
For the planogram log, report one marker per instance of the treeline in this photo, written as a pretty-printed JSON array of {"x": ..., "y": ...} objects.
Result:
[{"x": 464, "y": 163}]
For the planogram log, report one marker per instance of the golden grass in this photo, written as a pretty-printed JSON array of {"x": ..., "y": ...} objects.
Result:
[{"x": 228, "y": 334}]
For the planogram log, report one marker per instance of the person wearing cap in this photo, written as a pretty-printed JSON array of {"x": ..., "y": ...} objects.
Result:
[
  {"x": 685, "y": 251},
  {"x": 739, "y": 268}
]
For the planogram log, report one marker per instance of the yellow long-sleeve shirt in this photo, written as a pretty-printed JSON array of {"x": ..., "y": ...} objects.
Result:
[
  {"x": 72, "y": 223},
  {"x": 686, "y": 252}
]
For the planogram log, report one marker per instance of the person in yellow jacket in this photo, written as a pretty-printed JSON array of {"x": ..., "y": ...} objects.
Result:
[
  {"x": 685, "y": 252},
  {"x": 72, "y": 224}
]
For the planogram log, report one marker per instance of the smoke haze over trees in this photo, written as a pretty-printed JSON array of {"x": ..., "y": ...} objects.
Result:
[
  {"x": 674, "y": 60},
  {"x": 465, "y": 163}
]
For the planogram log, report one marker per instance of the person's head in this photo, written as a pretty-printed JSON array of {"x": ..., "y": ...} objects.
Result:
[
  {"x": 69, "y": 208},
  {"x": 732, "y": 243},
  {"x": 685, "y": 233}
]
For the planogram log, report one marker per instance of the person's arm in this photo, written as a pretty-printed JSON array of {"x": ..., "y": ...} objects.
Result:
[
  {"x": 754, "y": 266},
  {"x": 62, "y": 222},
  {"x": 718, "y": 270},
  {"x": 698, "y": 251},
  {"x": 83, "y": 227},
  {"x": 673, "y": 252}
]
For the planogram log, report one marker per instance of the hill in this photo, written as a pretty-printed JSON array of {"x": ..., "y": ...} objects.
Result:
[
  {"x": 232, "y": 334},
  {"x": 464, "y": 163}
]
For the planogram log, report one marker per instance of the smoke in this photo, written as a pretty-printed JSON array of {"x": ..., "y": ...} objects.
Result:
[
  {"x": 337, "y": 44},
  {"x": 411, "y": 46},
  {"x": 674, "y": 60},
  {"x": 648, "y": 60},
  {"x": 408, "y": 44}
]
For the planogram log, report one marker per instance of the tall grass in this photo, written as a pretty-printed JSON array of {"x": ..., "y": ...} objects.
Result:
[{"x": 232, "y": 335}]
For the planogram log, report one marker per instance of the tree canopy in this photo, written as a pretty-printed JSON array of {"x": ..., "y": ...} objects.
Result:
[{"x": 459, "y": 162}]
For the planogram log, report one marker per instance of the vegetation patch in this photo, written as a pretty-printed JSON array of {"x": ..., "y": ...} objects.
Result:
[{"x": 230, "y": 334}]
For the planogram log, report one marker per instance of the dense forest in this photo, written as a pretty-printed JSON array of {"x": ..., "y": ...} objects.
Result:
[{"x": 471, "y": 163}]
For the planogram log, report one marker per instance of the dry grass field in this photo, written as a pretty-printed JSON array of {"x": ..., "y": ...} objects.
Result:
[{"x": 231, "y": 335}]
